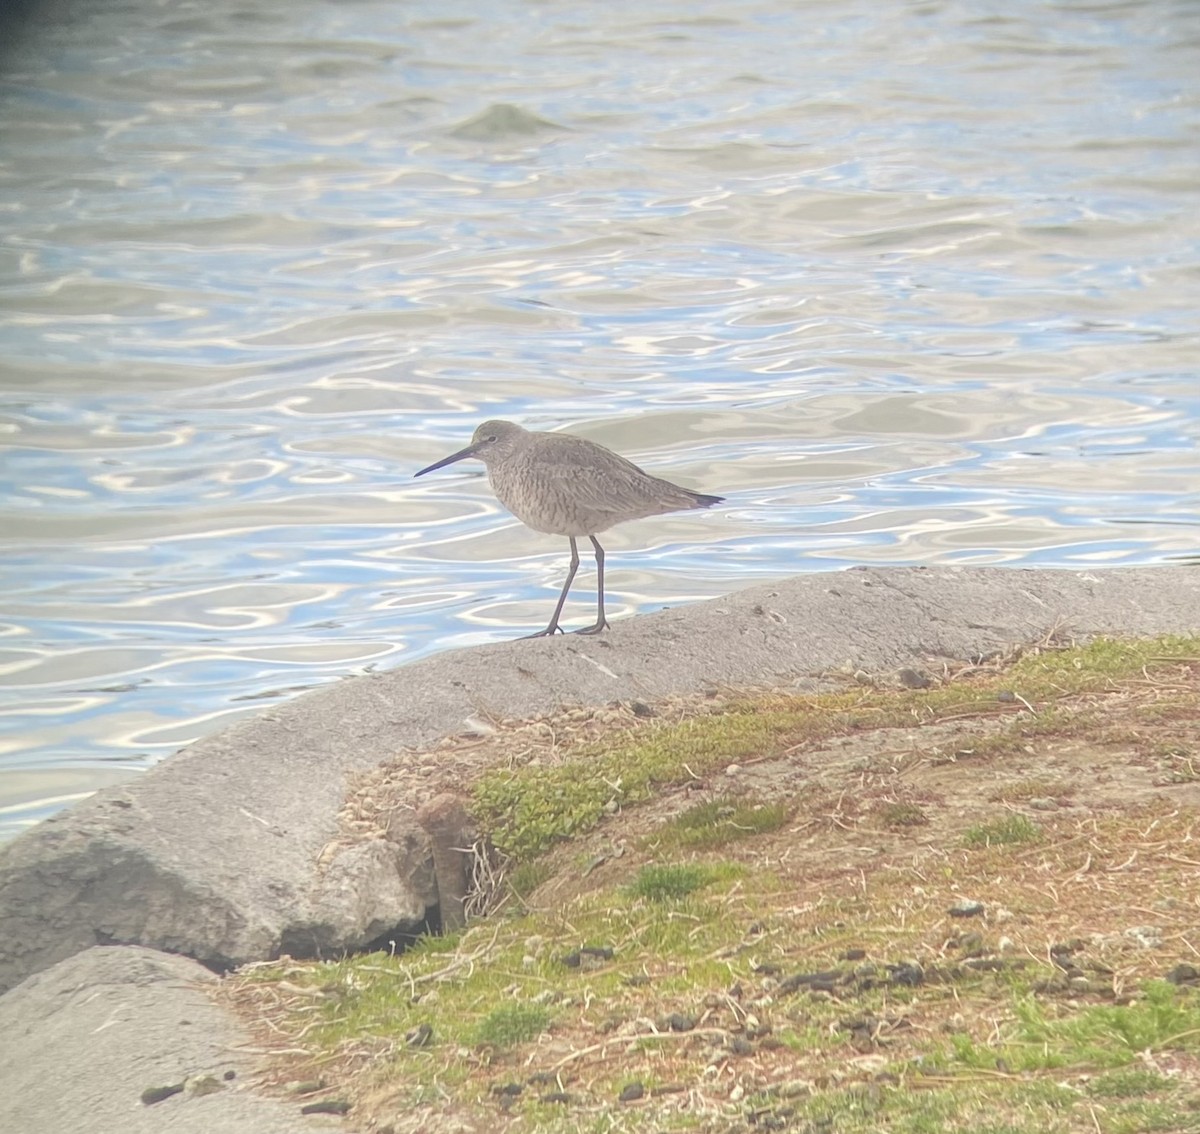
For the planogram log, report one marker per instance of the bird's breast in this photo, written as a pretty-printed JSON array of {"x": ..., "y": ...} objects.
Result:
[{"x": 546, "y": 504}]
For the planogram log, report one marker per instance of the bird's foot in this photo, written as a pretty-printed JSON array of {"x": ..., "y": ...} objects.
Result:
[
  {"x": 549, "y": 632},
  {"x": 595, "y": 628}
]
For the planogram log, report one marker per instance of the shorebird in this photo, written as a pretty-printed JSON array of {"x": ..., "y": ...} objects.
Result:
[{"x": 566, "y": 485}]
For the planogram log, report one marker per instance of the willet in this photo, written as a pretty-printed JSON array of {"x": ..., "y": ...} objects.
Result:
[{"x": 567, "y": 485}]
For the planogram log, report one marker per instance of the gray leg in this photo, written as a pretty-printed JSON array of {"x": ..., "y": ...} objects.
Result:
[
  {"x": 562, "y": 598},
  {"x": 601, "y": 622}
]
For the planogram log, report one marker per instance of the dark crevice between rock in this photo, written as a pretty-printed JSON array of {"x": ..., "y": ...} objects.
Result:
[{"x": 403, "y": 937}]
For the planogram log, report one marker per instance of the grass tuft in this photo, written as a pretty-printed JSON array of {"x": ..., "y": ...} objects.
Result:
[
  {"x": 1009, "y": 831},
  {"x": 718, "y": 822},
  {"x": 900, "y": 814},
  {"x": 511, "y": 1024},
  {"x": 1100, "y": 1035},
  {"x": 673, "y": 883}
]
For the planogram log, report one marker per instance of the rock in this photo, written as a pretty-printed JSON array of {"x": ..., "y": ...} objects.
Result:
[
  {"x": 913, "y": 679},
  {"x": 95, "y": 1044},
  {"x": 588, "y": 957},
  {"x": 1184, "y": 973},
  {"x": 420, "y": 1036},
  {"x": 631, "y": 1092},
  {"x": 200, "y": 1085},
  {"x": 966, "y": 907},
  {"x": 1044, "y": 803},
  {"x": 304, "y": 1086},
  {"x": 1145, "y": 936},
  {"x": 907, "y": 973},
  {"x": 794, "y": 1089},
  {"x": 366, "y": 892},
  {"x": 825, "y": 981}
]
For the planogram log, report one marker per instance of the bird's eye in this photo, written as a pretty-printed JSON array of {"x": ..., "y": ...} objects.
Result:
[{"x": 492, "y": 437}]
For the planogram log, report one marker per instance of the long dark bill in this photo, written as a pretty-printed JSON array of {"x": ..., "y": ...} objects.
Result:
[{"x": 469, "y": 451}]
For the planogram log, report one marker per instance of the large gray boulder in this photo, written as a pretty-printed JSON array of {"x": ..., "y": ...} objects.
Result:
[
  {"x": 82, "y": 1041},
  {"x": 227, "y": 851}
]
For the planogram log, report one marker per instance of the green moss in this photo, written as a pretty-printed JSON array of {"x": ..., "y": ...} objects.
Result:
[
  {"x": 968, "y": 1107},
  {"x": 511, "y": 1024},
  {"x": 1099, "y": 1036},
  {"x": 718, "y": 822},
  {"x": 1153, "y": 1116},
  {"x": 527, "y": 810},
  {"x": 672, "y": 883},
  {"x": 1012, "y": 829},
  {"x": 1128, "y": 1082}
]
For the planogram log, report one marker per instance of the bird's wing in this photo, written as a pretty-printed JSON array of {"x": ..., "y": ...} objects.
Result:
[{"x": 596, "y": 479}]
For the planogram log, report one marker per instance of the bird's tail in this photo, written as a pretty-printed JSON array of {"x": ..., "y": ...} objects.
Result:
[{"x": 704, "y": 501}]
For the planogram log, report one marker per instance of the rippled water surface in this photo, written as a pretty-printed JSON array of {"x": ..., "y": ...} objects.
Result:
[{"x": 908, "y": 283}]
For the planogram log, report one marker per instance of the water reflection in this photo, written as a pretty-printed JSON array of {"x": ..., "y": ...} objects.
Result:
[{"x": 928, "y": 299}]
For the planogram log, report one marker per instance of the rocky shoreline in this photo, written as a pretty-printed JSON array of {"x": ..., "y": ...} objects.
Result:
[{"x": 234, "y": 850}]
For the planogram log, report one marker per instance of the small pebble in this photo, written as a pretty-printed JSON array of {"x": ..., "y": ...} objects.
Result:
[
  {"x": 794, "y": 1089},
  {"x": 202, "y": 1085},
  {"x": 1147, "y": 936},
  {"x": 305, "y": 1086},
  {"x": 419, "y": 1036},
  {"x": 966, "y": 907},
  {"x": 1044, "y": 803},
  {"x": 909, "y": 973},
  {"x": 1184, "y": 974}
]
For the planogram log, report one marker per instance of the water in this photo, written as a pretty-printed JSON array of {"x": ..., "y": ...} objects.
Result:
[{"x": 908, "y": 283}]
